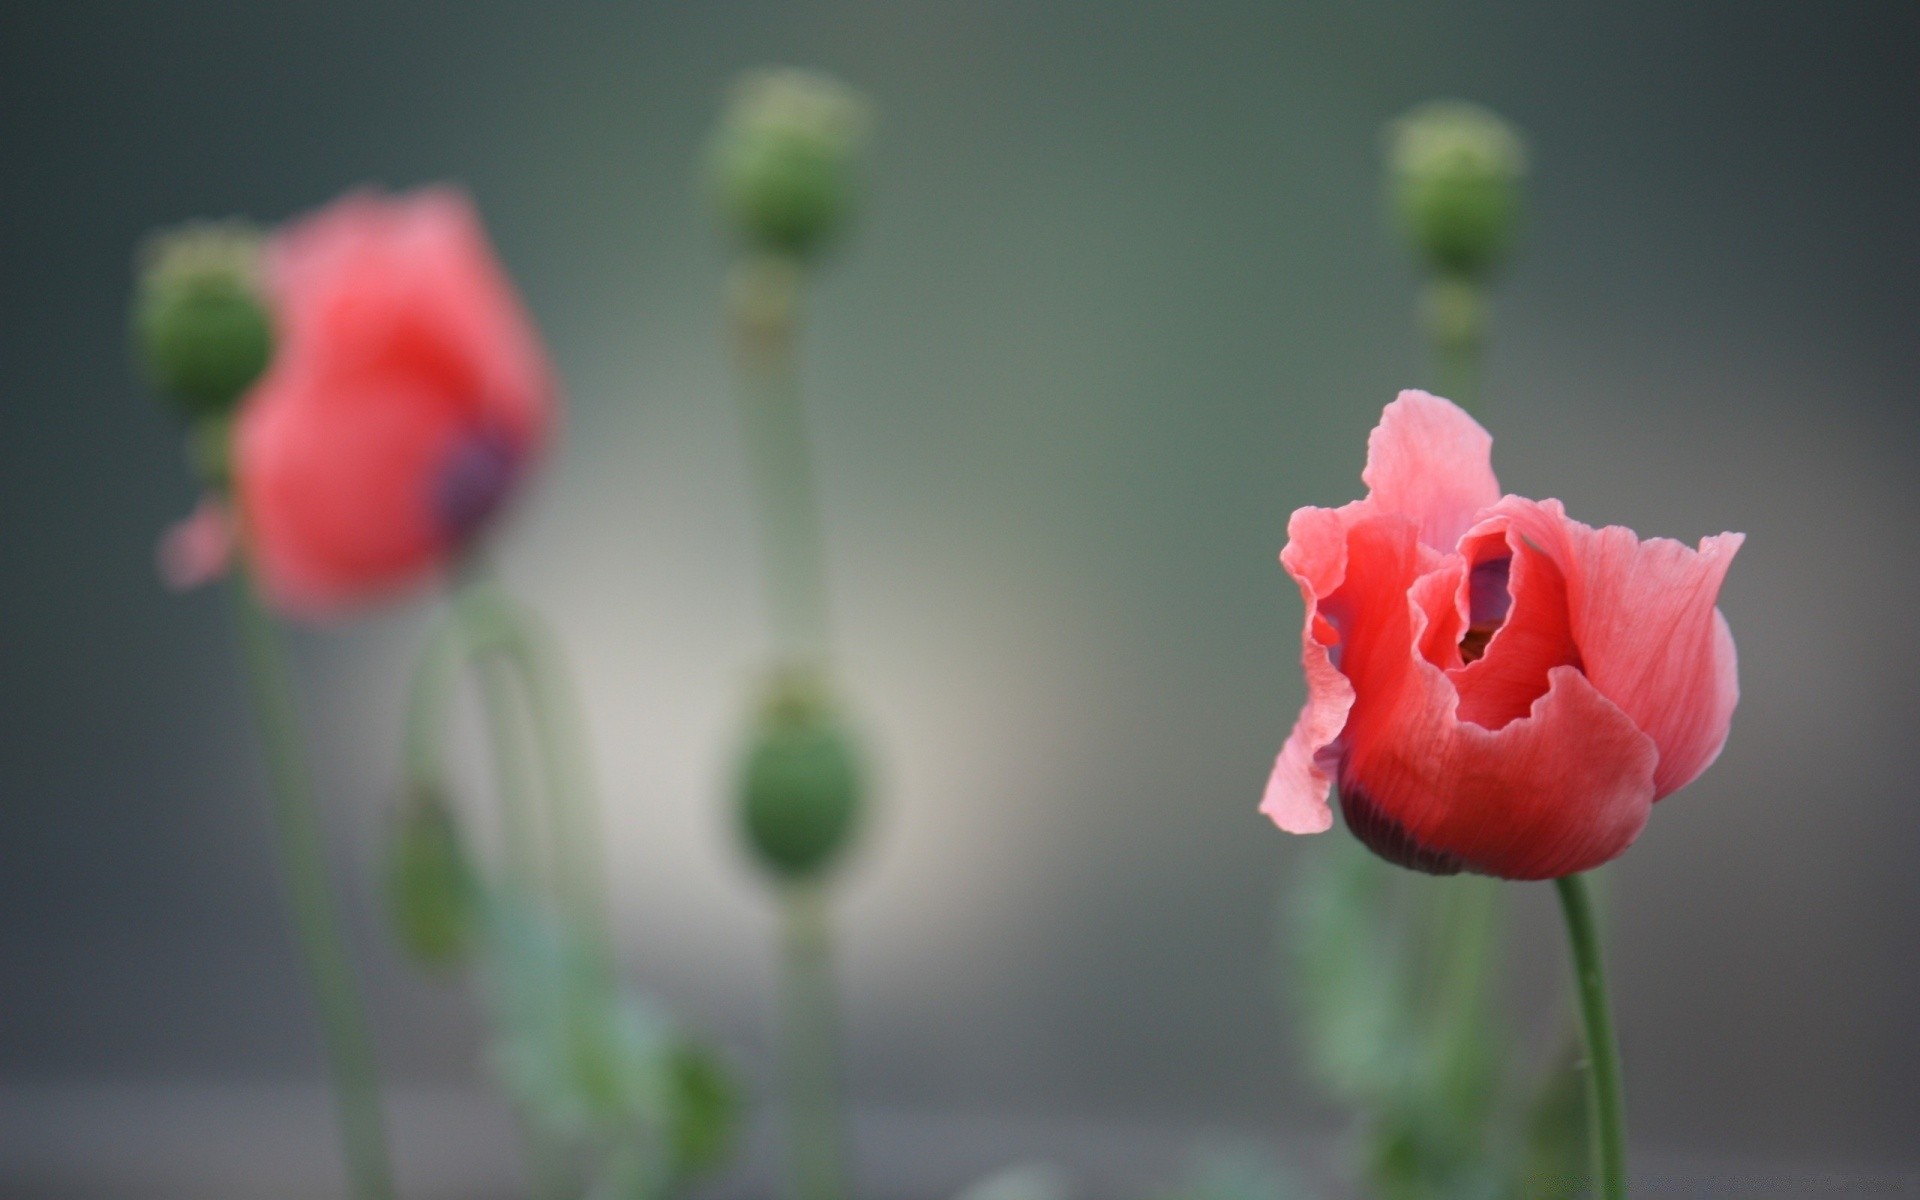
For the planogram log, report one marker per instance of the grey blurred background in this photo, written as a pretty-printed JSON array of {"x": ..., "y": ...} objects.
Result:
[{"x": 1123, "y": 298}]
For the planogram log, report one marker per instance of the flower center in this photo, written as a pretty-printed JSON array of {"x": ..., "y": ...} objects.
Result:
[
  {"x": 475, "y": 477},
  {"x": 1488, "y": 602}
]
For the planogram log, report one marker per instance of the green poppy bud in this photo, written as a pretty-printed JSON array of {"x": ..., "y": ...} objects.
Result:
[
  {"x": 801, "y": 789},
  {"x": 201, "y": 327},
  {"x": 783, "y": 162},
  {"x": 1455, "y": 170},
  {"x": 433, "y": 891}
]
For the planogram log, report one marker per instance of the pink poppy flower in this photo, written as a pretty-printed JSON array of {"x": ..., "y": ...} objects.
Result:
[
  {"x": 1494, "y": 686},
  {"x": 408, "y": 396}
]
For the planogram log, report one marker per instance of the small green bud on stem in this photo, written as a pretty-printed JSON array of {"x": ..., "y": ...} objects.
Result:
[
  {"x": 784, "y": 160},
  {"x": 801, "y": 787},
  {"x": 1456, "y": 171},
  {"x": 201, "y": 327}
]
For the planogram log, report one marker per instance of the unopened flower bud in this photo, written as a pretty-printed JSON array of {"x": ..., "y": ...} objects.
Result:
[
  {"x": 201, "y": 327},
  {"x": 1455, "y": 170},
  {"x": 433, "y": 890},
  {"x": 801, "y": 789},
  {"x": 783, "y": 163}
]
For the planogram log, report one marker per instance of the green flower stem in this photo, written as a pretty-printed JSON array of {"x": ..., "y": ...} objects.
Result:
[
  {"x": 816, "y": 1127},
  {"x": 507, "y": 737},
  {"x": 1605, "y": 1102},
  {"x": 764, "y": 305},
  {"x": 296, "y": 820},
  {"x": 764, "y": 314},
  {"x": 517, "y": 656},
  {"x": 1454, "y": 312}
]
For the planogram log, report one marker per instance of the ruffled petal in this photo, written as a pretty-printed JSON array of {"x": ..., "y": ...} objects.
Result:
[
  {"x": 1316, "y": 557},
  {"x": 1649, "y": 636},
  {"x": 1563, "y": 789},
  {"x": 1534, "y": 637},
  {"x": 381, "y": 284},
  {"x": 338, "y": 495},
  {"x": 1430, "y": 461}
]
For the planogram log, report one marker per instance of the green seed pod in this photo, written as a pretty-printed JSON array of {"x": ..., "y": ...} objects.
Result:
[
  {"x": 1455, "y": 172},
  {"x": 801, "y": 789},
  {"x": 783, "y": 163},
  {"x": 433, "y": 891},
  {"x": 201, "y": 327}
]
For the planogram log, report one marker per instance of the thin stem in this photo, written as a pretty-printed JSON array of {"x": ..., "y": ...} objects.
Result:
[
  {"x": 1605, "y": 1103},
  {"x": 296, "y": 820},
  {"x": 505, "y": 736},
  {"x": 519, "y": 654},
  {"x": 1454, "y": 312},
  {"x": 764, "y": 312},
  {"x": 816, "y": 1126}
]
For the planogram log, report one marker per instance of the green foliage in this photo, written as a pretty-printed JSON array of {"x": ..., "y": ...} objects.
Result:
[
  {"x": 801, "y": 786},
  {"x": 433, "y": 892},
  {"x": 1556, "y": 1157},
  {"x": 201, "y": 329},
  {"x": 703, "y": 1110},
  {"x": 621, "y": 1098},
  {"x": 1397, "y": 1019}
]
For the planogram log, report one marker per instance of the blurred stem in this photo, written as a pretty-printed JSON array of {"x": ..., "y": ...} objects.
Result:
[
  {"x": 506, "y": 736},
  {"x": 1465, "y": 946},
  {"x": 763, "y": 311},
  {"x": 296, "y": 821},
  {"x": 560, "y": 740},
  {"x": 764, "y": 302},
  {"x": 816, "y": 1127},
  {"x": 1454, "y": 313},
  {"x": 1605, "y": 1103}
]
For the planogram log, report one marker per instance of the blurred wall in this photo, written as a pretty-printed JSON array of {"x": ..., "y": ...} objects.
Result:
[{"x": 1122, "y": 301}]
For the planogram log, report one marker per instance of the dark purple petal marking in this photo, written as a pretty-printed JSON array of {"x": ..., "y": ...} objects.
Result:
[{"x": 474, "y": 481}]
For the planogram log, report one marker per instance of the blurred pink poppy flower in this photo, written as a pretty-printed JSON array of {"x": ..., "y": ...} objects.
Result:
[
  {"x": 1494, "y": 686},
  {"x": 408, "y": 397}
]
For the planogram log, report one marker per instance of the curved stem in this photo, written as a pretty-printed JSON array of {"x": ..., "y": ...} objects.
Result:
[
  {"x": 517, "y": 656},
  {"x": 1605, "y": 1102},
  {"x": 303, "y": 862},
  {"x": 816, "y": 1127},
  {"x": 512, "y": 770}
]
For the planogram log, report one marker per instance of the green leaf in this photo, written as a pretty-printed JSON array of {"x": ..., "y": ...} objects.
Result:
[
  {"x": 602, "y": 1073},
  {"x": 1348, "y": 976},
  {"x": 702, "y": 1111},
  {"x": 1556, "y": 1157}
]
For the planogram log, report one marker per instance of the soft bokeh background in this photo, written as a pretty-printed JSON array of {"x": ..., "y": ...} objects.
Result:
[{"x": 1123, "y": 299}]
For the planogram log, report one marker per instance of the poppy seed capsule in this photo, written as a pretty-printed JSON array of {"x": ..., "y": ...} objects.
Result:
[
  {"x": 201, "y": 327},
  {"x": 801, "y": 787},
  {"x": 782, "y": 164},
  {"x": 1455, "y": 170}
]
